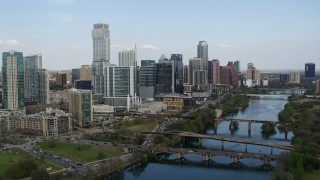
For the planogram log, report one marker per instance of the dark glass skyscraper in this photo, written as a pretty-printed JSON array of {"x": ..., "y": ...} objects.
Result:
[
  {"x": 178, "y": 72},
  {"x": 147, "y": 79},
  {"x": 309, "y": 70},
  {"x": 165, "y": 77},
  {"x": 203, "y": 54}
]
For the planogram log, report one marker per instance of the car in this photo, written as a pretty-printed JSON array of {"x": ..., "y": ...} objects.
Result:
[{"x": 96, "y": 165}]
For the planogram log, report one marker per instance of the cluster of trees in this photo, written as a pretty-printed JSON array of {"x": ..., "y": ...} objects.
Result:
[
  {"x": 232, "y": 104},
  {"x": 304, "y": 115},
  {"x": 26, "y": 168},
  {"x": 268, "y": 129}
]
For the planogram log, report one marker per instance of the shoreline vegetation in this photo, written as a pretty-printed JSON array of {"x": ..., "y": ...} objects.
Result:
[{"x": 303, "y": 161}]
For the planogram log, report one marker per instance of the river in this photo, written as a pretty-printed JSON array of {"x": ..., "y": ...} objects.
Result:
[{"x": 194, "y": 169}]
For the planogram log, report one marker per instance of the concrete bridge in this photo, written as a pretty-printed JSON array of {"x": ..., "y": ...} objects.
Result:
[
  {"x": 215, "y": 124},
  {"x": 186, "y": 135},
  {"x": 206, "y": 154},
  {"x": 269, "y": 96}
]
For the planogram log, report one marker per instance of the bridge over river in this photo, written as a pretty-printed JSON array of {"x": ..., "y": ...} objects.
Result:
[
  {"x": 206, "y": 154},
  {"x": 222, "y": 139}
]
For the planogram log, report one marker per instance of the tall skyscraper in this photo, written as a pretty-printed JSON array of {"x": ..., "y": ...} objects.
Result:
[
  {"x": 165, "y": 77},
  {"x": 178, "y": 72},
  {"x": 203, "y": 54},
  {"x": 32, "y": 65},
  {"x": 101, "y": 55},
  {"x": 85, "y": 72},
  {"x": 128, "y": 58},
  {"x": 147, "y": 79},
  {"x": 200, "y": 77},
  {"x": 13, "y": 80},
  {"x": 237, "y": 66},
  {"x": 80, "y": 105},
  {"x": 309, "y": 70},
  {"x": 44, "y": 91},
  {"x": 214, "y": 71}
]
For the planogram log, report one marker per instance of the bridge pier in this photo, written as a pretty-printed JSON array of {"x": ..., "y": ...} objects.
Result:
[
  {"x": 236, "y": 159},
  {"x": 246, "y": 148},
  {"x": 222, "y": 145},
  {"x": 271, "y": 150},
  {"x": 215, "y": 126},
  {"x": 206, "y": 157},
  {"x": 200, "y": 142},
  {"x": 249, "y": 128}
]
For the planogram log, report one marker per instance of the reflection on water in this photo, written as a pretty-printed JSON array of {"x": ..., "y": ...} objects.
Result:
[{"x": 220, "y": 167}]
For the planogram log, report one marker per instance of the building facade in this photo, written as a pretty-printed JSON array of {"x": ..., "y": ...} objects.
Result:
[
  {"x": 13, "y": 80},
  {"x": 51, "y": 122},
  {"x": 128, "y": 58},
  {"x": 178, "y": 72},
  {"x": 147, "y": 79},
  {"x": 101, "y": 55},
  {"x": 185, "y": 74},
  {"x": 214, "y": 71},
  {"x": 229, "y": 75},
  {"x": 83, "y": 84},
  {"x": 61, "y": 79},
  {"x": 85, "y": 72},
  {"x": 294, "y": 77},
  {"x": 309, "y": 70},
  {"x": 165, "y": 77},
  {"x": 75, "y": 74},
  {"x": 80, "y": 105},
  {"x": 253, "y": 74},
  {"x": 32, "y": 65},
  {"x": 44, "y": 91},
  {"x": 195, "y": 64},
  {"x": 318, "y": 86}
]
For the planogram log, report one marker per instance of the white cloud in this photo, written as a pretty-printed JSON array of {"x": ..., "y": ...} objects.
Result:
[
  {"x": 64, "y": 2},
  {"x": 61, "y": 17},
  {"x": 223, "y": 45},
  {"x": 10, "y": 42},
  {"x": 119, "y": 47},
  {"x": 149, "y": 46}
]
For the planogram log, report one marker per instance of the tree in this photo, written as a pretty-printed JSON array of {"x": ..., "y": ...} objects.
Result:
[
  {"x": 40, "y": 174},
  {"x": 21, "y": 169}
]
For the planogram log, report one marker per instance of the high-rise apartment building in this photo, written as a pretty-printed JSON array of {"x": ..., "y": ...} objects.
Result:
[
  {"x": 44, "y": 91},
  {"x": 128, "y": 58},
  {"x": 147, "y": 79},
  {"x": 165, "y": 76},
  {"x": 214, "y": 71},
  {"x": 80, "y": 105},
  {"x": 203, "y": 54},
  {"x": 61, "y": 79},
  {"x": 32, "y": 65},
  {"x": 253, "y": 74},
  {"x": 85, "y": 72},
  {"x": 309, "y": 70},
  {"x": 194, "y": 64},
  {"x": 178, "y": 72},
  {"x": 229, "y": 75},
  {"x": 101, "y": 55},
  {"x": 294, "y": 77},
  {"x": 200, "y": 77},
  {"x": 13, "y": 80}
]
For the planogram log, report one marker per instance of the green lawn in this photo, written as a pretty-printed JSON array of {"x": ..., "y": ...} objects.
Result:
[
  {"x": 138, "y": 125},
  {"x": 8, "y": 158},
  {"x": 83, "y": 153}
]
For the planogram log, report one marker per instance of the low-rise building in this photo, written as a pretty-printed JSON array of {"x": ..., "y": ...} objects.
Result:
[
  {"x": 51, "y": 122},
  {"x": 152, "y": 107}
]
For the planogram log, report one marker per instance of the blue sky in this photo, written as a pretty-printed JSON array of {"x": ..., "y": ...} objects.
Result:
[{"x": 273, "y": 34}]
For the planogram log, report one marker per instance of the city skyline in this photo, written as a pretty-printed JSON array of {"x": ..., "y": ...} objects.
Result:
[{"x": 266, "y": 33}]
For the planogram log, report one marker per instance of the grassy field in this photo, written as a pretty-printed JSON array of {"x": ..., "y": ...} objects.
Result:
[
  {"x": 138, "y": 125},
  {"x": 8, "y": 158},
  {"x": 83, "y": 153}
]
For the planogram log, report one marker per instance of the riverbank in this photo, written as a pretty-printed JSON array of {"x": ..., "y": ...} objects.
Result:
[{"x": 303, "y": 162}]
